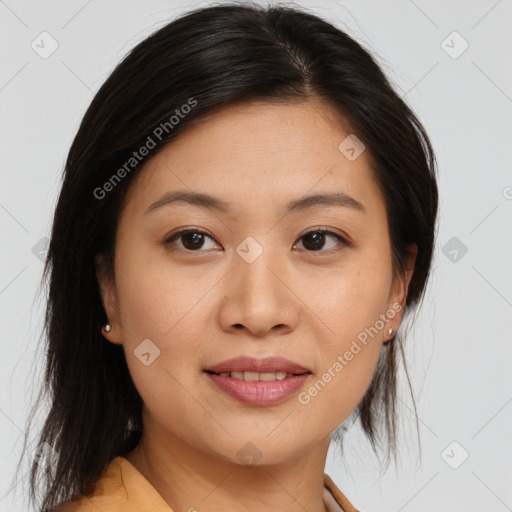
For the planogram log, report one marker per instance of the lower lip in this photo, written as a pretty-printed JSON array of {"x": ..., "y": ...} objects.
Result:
[{"x": 259, "y": 392}]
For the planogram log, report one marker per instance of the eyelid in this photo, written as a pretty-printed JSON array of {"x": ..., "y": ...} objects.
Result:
[
  {"x": 328, "y": 231},
  {"x": 183, "y": 231},
  {"x": 343, "y": 239}
]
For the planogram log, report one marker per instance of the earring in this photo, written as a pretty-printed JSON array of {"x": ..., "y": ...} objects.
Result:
[
  {"x": 390, "y": 330},
  {"x": 107, "y": 327}
]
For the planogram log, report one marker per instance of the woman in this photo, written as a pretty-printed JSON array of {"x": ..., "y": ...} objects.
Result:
[{"x": 248, "y": 212}]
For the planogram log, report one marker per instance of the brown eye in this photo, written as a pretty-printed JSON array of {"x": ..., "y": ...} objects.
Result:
[
  {"x": 192, "y": 239},
  {"x": 316, "y": 240}
]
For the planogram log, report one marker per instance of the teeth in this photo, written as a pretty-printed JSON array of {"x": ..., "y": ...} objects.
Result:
[{"x": 255, "y": 376}]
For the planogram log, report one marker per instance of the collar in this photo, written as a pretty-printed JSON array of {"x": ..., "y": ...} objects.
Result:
[
  {"x": 122, "y": 488},
  {"x": 333, "y": 497}
]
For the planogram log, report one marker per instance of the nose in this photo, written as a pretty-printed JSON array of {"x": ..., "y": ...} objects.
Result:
[{"x": 258, "y": 297}]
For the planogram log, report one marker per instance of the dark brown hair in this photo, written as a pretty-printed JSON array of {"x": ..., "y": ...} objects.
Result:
[{"x": 217, "y": 56}]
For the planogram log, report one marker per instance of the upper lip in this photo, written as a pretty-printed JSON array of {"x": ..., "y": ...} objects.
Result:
[{"x": 265, "y": 365}]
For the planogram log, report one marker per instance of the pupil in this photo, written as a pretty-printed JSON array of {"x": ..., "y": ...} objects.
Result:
[
  {"x": 196, "y": 236},
  {"x": 315, "y": 240},
  {"x": 318, "y": 240}
]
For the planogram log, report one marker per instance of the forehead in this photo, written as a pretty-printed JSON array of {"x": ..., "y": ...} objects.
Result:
[{"x": 258, "y": 154}]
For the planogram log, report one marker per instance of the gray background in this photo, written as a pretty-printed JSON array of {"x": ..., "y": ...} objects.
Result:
[{"x": 459, "y": 354}]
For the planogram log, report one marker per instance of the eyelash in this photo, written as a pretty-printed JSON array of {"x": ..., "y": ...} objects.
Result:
[{"x": 169, "y": 240}]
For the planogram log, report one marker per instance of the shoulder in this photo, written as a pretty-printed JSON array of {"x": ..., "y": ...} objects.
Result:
[
  {"x": 335, "y": 498},
  {"x": 109, "y": 493}
]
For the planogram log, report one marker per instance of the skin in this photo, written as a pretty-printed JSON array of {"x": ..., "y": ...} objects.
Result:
[{"x": 205, "y": 306}]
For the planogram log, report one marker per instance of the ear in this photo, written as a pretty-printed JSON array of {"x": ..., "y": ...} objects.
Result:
[
  {"x": 399, "y": 291},
  {"x": 109, "y": 300}
]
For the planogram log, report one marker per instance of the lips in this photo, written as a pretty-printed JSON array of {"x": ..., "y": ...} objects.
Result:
[{"x": 266, "y": 365}]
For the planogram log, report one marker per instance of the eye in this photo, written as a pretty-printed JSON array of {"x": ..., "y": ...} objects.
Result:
[
  {"x": 315, "y": 240},
  {"x": 192, "y": 239}
]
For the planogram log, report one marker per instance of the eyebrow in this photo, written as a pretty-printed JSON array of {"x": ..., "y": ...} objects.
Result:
[{"x": 208, "y": 201}]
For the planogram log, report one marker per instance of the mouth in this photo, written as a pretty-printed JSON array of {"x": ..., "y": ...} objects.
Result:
[
  {"x": 264, "y": 381},
  {"x": 250, "y": 376},
  {"x": 258, "y": 389},
  {"x": 251, "y": 368}
]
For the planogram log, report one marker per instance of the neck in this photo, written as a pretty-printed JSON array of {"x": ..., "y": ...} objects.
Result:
[{"x": 191, "y": 479}]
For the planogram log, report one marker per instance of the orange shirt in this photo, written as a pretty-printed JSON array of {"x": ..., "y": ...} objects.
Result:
[{"x": 122, "y": 488}]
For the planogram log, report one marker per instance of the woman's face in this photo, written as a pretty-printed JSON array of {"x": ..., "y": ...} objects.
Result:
[{"x": 253, "y": 282}]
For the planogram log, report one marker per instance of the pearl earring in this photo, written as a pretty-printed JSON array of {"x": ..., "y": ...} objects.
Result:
[
  {"x": 107, "y": 327},
  {"x": 390, "y": 330}
]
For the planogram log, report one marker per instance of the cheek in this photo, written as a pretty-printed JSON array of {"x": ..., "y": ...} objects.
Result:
[
  {"x": 348, "y": 353},
  {"x": 350, "y": 308},
  {"x": 155, "y": 297},
  {"x": 159, "y": 304},
  {"x": 168, "y": 314},
  {"x": 352, "y": 298},
  {"x": 336, "y": 393}
]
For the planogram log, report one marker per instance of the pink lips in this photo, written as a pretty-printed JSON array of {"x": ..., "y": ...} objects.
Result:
[
  {"x": 251, "y": 364},
  {"x": 259, "y": 392}
]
